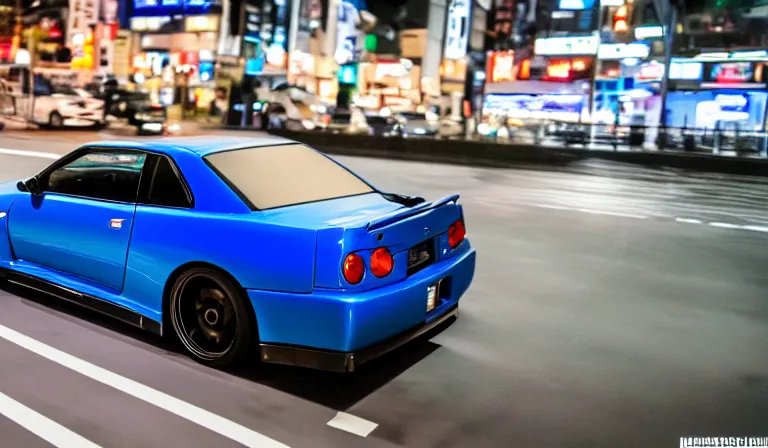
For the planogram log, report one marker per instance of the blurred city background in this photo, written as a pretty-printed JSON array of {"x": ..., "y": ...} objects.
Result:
[
  {"x": 610, "y": 74},
  {"x": 611, "y": 160}
]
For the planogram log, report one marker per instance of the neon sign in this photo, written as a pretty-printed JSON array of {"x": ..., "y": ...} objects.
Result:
[
  {"x": 563, "y": 70},
  {"x": 566, "y": 46},
  {"x": 623, "y": 51},
  {"x": 559, "y": 70},
  {"x": 502, "y": 65},
  {"x": 731, "y": 72}
]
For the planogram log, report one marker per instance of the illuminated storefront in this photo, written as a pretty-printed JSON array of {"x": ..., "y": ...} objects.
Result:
[
  {"x": 265, "y": 39},
  {"x": 627, "y": 85},
  {"x": 394, "y": 84},
  {"x": 52, "y": 18},
  {"x": 176, "y": 66},
  {"x": 724, "y": 93},
  {"x": 555, "y": 84}
]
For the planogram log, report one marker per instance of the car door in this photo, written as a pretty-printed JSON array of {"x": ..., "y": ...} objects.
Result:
[{"x": 81, "y": 223}]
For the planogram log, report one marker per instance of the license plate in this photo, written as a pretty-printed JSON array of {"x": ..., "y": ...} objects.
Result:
[
  {"x": 152, "y": 126},
  {"x": 432, "y": 297}
]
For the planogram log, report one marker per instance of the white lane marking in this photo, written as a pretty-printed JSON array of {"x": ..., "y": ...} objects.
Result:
[
  {"x": 725, "y": 225},
  {"x": 19, "y": 152},
  {"x": 553, "y": 207},
  {"x": 350, "y": 423},
  {"x": 42, "y": 426},
  {"x": 206, "y": 419},
  {"x": 756, "y": 228},
  {"x": 603, "y": 212}
]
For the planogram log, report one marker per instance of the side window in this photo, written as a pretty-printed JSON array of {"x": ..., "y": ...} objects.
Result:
[
  {"x": 108, "y": 175},
  {"x": 166, "y": 188}
]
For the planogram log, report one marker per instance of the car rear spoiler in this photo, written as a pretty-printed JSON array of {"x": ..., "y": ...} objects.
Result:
[{"x": 399, "y": 215}]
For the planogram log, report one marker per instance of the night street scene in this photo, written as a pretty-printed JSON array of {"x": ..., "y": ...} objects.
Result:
[{"x": 383, "y": 223}]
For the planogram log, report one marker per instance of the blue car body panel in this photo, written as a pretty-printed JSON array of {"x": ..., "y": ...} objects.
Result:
[
  {"x": 339, "y": 320},
  {"x": 73, "y": 235},
  {"x": 288, "y": 260}
]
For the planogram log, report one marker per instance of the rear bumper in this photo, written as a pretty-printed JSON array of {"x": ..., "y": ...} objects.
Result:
[
  {"x": 347, "y": 361},
  {"x": 349, "y": 324}
]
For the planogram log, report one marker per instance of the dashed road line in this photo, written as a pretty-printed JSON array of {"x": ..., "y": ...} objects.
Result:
[
  {"x": 604, "y": 212},
  {"x": 206, "y": 419},
  {"x": 42, "y": 426},
  {"x": 352, "y": 424},
  {"x": 756, "y": 228},
  {"x": 722, "y": 225},
  {"x": 725, "y": 225}
]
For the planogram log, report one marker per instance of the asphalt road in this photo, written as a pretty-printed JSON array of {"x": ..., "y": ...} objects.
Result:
[{"x": 612, "y": 306}]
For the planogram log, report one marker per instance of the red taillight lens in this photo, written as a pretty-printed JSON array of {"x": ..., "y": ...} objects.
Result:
[
  {"x": 381, "y": 262},
  {"x": 353, "y": 269},
  {"x": 456, "y": 233}
]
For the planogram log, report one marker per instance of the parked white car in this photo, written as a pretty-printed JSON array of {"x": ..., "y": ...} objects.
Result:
[{"x": 58, "y": 106}]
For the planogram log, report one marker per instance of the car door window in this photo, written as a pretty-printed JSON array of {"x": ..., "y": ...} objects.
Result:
[
  {"x": 166, "y": 188},
  {"x": 103, "y": 175}
]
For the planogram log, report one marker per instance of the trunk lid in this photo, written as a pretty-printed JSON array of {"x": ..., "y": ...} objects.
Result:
[{"x": 415, "y": 236}]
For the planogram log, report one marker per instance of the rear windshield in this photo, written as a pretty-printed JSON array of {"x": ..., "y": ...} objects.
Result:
[{"x": 278, "y": 176}]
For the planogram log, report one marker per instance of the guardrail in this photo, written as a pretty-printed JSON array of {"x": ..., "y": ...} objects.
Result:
[{"x": 730, "y": 141}]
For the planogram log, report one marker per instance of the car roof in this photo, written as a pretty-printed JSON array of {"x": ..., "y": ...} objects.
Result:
[{"x": 202, "y": 146}]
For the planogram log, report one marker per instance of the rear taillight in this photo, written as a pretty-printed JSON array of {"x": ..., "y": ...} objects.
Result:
[
  {"x": 353, "y": 269},
  {"x": 381, "y": 262},
  {"x": 456, "y": 233}
]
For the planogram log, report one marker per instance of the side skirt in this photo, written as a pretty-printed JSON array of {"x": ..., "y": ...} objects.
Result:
[{"x": 93, "y": 303}]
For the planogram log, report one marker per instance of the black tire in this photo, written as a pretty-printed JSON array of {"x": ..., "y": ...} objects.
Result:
[
  {"x": 55, "y": 120},
  {"x": 199, "y": 299}
]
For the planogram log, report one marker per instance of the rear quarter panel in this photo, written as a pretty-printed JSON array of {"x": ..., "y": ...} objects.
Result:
[{"x": 258, "y": 255}]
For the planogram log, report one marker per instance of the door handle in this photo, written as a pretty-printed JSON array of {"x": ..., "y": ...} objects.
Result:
[{"x": 116, "y": 223}]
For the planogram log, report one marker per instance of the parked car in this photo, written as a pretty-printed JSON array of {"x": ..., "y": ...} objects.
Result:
[
  {"x": 428, "y": 125},
  {"x": 60, "y": 105},
  {"x": 151, "y": 119}
]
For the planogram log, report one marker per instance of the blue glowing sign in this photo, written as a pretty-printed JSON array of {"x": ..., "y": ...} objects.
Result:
[
  {"x": 347, "y": 74},
  {"x": 254, "y": 66},
  {"x": 169, "y": 7}
]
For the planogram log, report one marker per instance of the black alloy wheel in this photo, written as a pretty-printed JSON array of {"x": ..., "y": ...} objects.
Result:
[{"x": 211, "y": 318}]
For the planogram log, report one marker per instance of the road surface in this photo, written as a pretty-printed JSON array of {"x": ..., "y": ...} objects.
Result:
[{"x": 612, "y": 306}]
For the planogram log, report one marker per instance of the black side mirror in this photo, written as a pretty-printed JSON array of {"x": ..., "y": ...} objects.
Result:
[{"x": 33, "y": 186}]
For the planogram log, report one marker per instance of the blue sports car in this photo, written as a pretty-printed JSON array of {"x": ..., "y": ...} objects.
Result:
[{"x": 233, "y": 244}]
